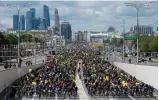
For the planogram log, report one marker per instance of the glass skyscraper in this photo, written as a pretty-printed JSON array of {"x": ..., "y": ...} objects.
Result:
[
  {"x": 32, "y": 10},
  {"x": 46, "y": 16},
  {"x": 66, "y": 30},
  {"x": 15, "y": 22},
  {"x": 28, "y": 20},
  {"x": 22, "y": 22},
  {"x": 57, "y": 24},
  {"x": 43, "y": 25},
  {"x": 37, "y": 23}
]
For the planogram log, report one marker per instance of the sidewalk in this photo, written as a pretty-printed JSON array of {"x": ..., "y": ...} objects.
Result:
[
  {"x": 154, "y": 60},
  {"x": 81, "y": 92},
  {"x": 133, "y": 61},
  {"x": 39, "y": 59}
]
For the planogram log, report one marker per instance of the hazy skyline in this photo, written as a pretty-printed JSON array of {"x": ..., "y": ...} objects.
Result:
[{"x": 82, "y": 15}]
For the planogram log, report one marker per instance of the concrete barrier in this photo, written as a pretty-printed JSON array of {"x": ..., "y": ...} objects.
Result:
[
  {"x": 147, "y": 74},
  {"x": 9, "y": 76}
]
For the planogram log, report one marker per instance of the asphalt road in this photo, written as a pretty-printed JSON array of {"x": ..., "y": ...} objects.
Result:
[
  {"x": 130, "y": 98},
  {"x": 48, "y": 99},
  {"x": 109, "y": 98},
  {"x": 38, "y": 59},
  {"x": 99, "y": 98},
  {"x": 118, "y": 58},
  {"x": 123, "y": 99}
]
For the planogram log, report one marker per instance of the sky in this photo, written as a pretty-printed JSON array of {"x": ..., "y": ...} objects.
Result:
[{"x": 85, "y": 15}]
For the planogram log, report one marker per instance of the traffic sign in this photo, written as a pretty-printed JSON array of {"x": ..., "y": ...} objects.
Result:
[{"x": 130, "y": 37}]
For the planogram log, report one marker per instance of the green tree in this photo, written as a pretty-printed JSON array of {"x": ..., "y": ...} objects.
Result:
[
  {"x": 29, "y": 38},
  {"x": 112, "y": 41},
  {"x": 143, "y": 44},
  {"x": 153, "y": 44},
  {"x": 106, "y": 41},
  {"x": 143, "y": 47},
  {"x": 12, "y": 38},
  {"x": 38, "y": 40},
  {"x": 147, "y": 43},
  {"x": 3, "y": 38},
  {"x": 119, "y": 42},
  {"x": 26, "y": 38}
]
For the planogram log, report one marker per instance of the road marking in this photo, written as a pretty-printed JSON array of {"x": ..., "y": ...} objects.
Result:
[
  {"x": 110, "y": 98},
  {"x": 131, "y": 97},
  {"x": 156, "y": 96},
  {"x": 56, "y": 96},
  {"x": 33, "y": 96}
]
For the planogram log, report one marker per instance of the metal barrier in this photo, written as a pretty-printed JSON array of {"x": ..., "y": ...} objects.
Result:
[{"x": 9, "y": 76}]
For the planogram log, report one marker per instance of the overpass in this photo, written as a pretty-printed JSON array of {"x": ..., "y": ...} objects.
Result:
[
  {"x": 146, "y": 73},
  {"x": 10, "y": 75}
]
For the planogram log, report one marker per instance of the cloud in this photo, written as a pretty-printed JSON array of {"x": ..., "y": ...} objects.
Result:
[
  {"x": 86, "y": 4},
  {"x": 82, "y": 15},
  {"x": 6, "y": 22}
]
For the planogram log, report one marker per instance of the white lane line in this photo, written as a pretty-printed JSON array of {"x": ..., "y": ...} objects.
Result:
[
  {"x": 33, "y": 96},
  {"x": 56, "y": 96},
  {"x": 110, "y": 98},
  {"x": 156, "y": 96},
  {"x": 131, "y": 97}
]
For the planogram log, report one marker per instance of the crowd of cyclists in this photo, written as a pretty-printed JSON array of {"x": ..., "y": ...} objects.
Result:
[
  {"x": 104, "y": 79},
  {"x": 57, "y": 77}
]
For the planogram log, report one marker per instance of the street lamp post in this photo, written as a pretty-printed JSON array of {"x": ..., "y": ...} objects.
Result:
[
  {"x": 73, "y": 35},
  {"x": 34, "y": 46},
  {"x": 137, "y": 7},
  {"x": 44, "y": 38},
  {"x": 115, "y": 39},
  {"x": 42, "y": 42},
  {"x": 108, "y": 53},
  {"x": 124, "y": 22},
  {"x": 112, "y": 39},
  {"x": 18, "y": 8}
]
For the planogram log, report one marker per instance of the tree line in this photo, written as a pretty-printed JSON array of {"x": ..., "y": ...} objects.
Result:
[
  {"x": 147, "y": 43},
  {"x": 12, "y": 39}
]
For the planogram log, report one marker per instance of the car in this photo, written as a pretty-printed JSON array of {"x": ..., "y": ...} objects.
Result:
[
  {"x": 142, "y": 59},
  {"x": 126, "y": 55}
]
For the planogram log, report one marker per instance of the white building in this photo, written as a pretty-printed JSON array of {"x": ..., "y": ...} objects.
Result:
[
  {"x": 82, "y": 36},
  {"x": 107, "y": 35},
  {"x": 54, "y": 41}
]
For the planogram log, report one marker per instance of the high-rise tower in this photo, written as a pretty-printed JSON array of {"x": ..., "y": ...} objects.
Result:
[
  {"x": 28, "y": 20},
  {"x": 57, "y": 24},
  {"x": 15, "y": 22},
  {"x": 32, "y": 11},
  {"x": 22, "y": 22},
  {"x": 66, "y": 30},
  {"x": 46, "y": 15}
]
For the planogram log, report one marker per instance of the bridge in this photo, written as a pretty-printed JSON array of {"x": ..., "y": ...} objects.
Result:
[{"x": 145, "y": 73}]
